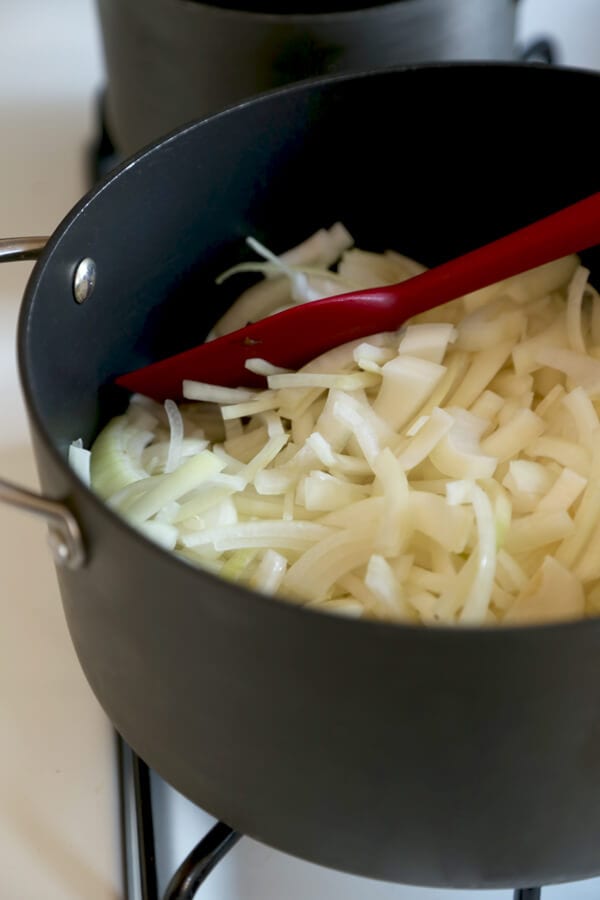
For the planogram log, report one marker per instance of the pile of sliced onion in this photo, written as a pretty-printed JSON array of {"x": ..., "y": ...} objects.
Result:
[{"x": 445, "y": 473}]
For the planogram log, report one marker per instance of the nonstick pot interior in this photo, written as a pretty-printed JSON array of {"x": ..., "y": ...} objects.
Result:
[{"x": 456, "y": 758}]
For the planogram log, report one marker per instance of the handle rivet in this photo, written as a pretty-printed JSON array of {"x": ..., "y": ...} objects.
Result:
[{"x": 84, "y": 280}]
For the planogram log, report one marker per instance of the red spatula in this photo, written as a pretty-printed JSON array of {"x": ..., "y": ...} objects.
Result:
[{"x": 295, "y": 336}]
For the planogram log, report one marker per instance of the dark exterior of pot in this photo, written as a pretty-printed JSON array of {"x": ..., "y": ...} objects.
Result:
[
  {"x": 459, "y": 758},
  {"x": 170, "y": 61}
]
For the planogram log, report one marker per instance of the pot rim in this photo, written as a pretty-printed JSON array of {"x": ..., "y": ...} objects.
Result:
[
  {"x": 293, "y": 18},
  {"x": 382, "y": 629}
]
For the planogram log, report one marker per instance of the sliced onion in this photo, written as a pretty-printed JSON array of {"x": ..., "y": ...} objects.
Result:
[{"x": 425, "y": 475}]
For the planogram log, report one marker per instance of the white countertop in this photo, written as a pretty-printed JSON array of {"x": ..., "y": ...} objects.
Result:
[
  {"x": 59, "y": 826},
  {"x": 59, "y": 832}
]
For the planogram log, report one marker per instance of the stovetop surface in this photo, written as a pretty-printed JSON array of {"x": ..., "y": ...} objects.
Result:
[{"x": 59, "y": 837}]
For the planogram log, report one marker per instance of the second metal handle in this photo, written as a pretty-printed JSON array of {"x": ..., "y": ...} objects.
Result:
[
  {"x": 64, "y": 535},
  {"x": 20, "y": 248}
]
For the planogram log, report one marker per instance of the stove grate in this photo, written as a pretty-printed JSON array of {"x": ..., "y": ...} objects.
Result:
[{"x": 139, "y": 840}]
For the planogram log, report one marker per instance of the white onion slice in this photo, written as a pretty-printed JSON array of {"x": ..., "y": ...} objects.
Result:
[{"x": 422, "y": 476}]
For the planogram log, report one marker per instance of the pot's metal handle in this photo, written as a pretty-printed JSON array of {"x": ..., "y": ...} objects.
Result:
[
  {"x": 64, "y": 534},
  {"x": 20, "y": 248}
]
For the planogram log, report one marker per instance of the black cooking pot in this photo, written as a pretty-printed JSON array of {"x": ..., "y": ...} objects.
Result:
[
  {"x": 453, "y": 757},
  {"x": 170, "y": 61}
]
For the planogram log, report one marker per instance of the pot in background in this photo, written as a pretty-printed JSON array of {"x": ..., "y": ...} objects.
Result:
[{"x": 171, "y": 61}]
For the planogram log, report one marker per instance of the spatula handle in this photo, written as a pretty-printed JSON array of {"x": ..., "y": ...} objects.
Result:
[{"x": 570, "y": 230}]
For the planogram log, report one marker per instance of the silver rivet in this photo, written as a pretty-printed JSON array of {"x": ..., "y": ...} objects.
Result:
[
  {"x": 60, "y": 551},
  {"x": 84, "y": 280}
]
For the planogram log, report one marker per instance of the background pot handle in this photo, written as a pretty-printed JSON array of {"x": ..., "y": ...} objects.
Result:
[
  {"x": 19, "y": 248},
  {"x": 64, "y": 534}
]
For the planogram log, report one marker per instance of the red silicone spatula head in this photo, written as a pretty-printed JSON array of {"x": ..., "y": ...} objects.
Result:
[{"x": 292, "y": 338}]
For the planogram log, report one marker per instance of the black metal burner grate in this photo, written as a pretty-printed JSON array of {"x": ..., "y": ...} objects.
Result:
[
  {"x": 140, "y": 858},
  {"x": 102, "y": 155}
]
